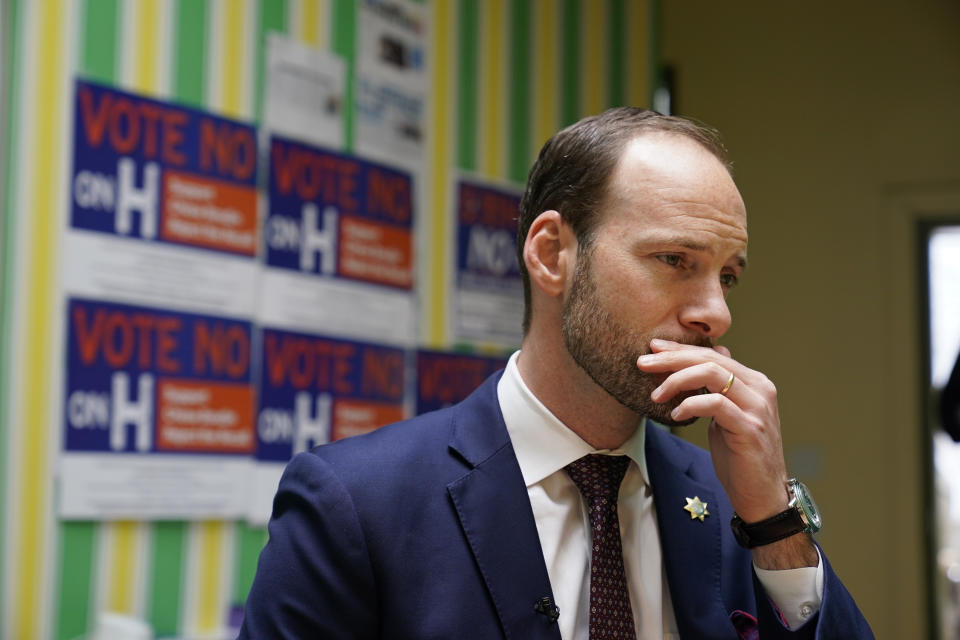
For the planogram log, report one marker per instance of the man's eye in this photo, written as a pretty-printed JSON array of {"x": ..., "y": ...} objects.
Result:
[
  {"x": 729, "y": 279},
  {"x": 671, "y": 259}
]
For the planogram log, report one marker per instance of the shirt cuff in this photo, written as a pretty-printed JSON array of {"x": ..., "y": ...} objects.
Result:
[{"x": 797, "y": 593}]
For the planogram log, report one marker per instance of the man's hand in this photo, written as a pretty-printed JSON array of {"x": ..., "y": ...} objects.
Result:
[{"x": 744, "y": 432}]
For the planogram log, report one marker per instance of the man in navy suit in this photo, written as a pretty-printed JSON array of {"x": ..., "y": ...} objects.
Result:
[{"x": 469, "y": 523}]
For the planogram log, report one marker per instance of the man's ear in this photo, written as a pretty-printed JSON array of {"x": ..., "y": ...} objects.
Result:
[{"x": 550, "y": 253}]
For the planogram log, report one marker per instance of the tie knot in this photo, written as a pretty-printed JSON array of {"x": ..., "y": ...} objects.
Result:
[{"x": 597, "y": 475}]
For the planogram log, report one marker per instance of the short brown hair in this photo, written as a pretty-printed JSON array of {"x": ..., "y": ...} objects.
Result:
[{"x": 574, "y": 167}]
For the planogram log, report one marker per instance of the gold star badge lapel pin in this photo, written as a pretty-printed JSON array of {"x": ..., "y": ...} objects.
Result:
[{"x": 697, "y": 508}]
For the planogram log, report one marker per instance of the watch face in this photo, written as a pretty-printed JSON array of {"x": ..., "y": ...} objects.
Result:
[{"x": 807, "y": 506}]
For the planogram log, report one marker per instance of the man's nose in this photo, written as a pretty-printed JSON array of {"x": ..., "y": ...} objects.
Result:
[{"x": 706, "y": 311}]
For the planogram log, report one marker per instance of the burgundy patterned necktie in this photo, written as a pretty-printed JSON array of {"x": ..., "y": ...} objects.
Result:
[{"x": 598, "y": 477}]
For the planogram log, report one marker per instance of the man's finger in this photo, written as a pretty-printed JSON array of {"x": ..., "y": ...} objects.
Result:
[
  {"x": 677, "y": 359},
  {"x": 709, "y": 375},
  {"x": 725, "y": 413}
]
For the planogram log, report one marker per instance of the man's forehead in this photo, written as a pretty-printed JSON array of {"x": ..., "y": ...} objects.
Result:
[
  {"x": 674, "y": 167},
  {"x": 667, "y": 154},
  {"x": 670, "y": 179}
]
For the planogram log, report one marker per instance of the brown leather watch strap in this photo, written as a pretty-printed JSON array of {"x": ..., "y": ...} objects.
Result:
[{"x": 756, "y": 534}]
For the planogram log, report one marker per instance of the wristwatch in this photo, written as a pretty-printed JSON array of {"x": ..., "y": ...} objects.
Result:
[{"x": 801, "y": 516}]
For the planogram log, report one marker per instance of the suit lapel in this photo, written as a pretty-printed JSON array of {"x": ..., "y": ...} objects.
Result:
[
  {"x": 494, "y": 511},
  {"x": 691, "y": 548}
]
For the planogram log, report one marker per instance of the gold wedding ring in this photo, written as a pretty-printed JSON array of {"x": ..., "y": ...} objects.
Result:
[{"x": 727, "y": 386}]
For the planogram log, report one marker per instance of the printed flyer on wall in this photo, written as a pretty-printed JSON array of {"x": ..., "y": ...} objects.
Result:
[
  {"x": 303, "y": 96},
  {"x": 487, "y": 301},
  {"x": 163, "y": 206},
  {"x": 158, "y": 413},
  {"x": 336, "y": 303},
  {"x": 339, "y": 246},
  {"x": 391, "y": 81},
  {"x": 316, "y": 389},
  {"x": 159, "y": 284}
]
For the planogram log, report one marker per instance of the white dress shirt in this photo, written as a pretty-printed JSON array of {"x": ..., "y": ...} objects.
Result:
[{"x": 564, "y": 527}]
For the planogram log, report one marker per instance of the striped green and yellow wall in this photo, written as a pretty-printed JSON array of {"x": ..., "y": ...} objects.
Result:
[{"x": 505, "y": 74}]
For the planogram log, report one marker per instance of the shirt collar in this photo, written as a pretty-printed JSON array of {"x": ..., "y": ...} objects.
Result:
[{"x": 544, "y": 445}]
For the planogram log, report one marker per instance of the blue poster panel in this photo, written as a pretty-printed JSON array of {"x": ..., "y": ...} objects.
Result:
[
  {"x": 160, "y": 171},
  {"x": 315, "y": 389},
  {"x": 487, "y": 238},
  {"x": 445, "y": 378},
  {"x": 339, "y": 216},
  {"x": 156, "y": 382}
]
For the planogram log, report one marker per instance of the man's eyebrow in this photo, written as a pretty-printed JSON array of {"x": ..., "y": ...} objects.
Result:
[
  {"x": 687, "y": 243},
  {"x": 679, "y": 241}
]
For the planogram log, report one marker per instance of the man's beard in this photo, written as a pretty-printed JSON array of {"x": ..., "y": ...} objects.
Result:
[{"x": 608, "y": 351}]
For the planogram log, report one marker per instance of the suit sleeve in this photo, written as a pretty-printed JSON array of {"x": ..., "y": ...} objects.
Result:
[
  {"x": 838, "y": 618},
  {"x": 314, "y": 577}
]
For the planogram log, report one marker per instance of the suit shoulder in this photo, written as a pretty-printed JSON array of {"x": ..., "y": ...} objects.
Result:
[
  {"x": 662, "y": 438},
  {"x": 682, "y": 454}
]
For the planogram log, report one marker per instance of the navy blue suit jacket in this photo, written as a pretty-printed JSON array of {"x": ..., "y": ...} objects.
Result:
[{"x": 423, "y": 529}]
